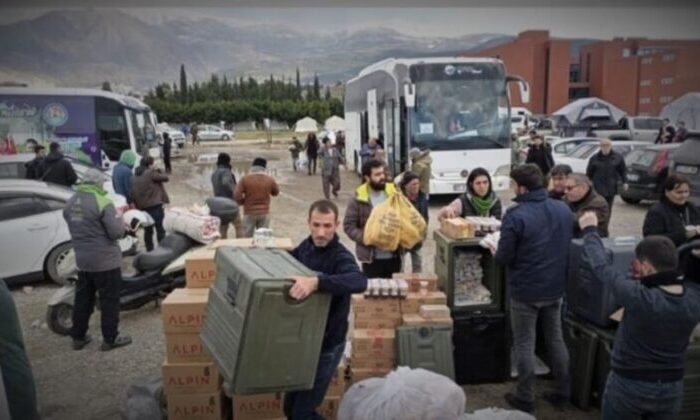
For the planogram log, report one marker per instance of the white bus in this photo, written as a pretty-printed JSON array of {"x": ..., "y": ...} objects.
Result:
[
  {"x": 92, "y": 125},
  {"x": 457, "y": 107}
]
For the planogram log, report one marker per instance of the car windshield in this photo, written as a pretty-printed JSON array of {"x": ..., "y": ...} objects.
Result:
[
  {"x": 581, "y": 150},
  {"x": 641, "y": 157}
]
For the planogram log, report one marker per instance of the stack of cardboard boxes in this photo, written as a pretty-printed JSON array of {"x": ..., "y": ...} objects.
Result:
[
  {"x": 423, "y": 292},
  {"x": 190, "y": 380}
]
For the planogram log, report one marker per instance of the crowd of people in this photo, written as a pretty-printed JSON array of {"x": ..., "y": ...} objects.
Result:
[
  {"x": 670, "y": 134},
  {"x": 552, "y": 205}
]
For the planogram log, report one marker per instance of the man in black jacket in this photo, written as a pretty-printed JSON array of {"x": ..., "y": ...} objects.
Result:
[
  {"x": 33, "y": 167},
  {"x": 339, "y": 275},
  {"x": 606, "y": 169},
  {"x": 648, "y": 360},
  {"x": 56, "y": 169}
]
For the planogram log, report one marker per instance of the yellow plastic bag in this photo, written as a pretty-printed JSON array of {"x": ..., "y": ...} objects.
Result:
[
  {"x": 413, "y": 226},
  {"x": 383, "y": 228}
]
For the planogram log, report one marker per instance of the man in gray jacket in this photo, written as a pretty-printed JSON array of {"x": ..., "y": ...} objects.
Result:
[
  {"x": 330, "y": 168},
  {"x": 95, "y": 229}
]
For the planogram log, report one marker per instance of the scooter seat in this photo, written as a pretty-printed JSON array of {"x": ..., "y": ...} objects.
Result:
[{"x": 171, "y": 247}]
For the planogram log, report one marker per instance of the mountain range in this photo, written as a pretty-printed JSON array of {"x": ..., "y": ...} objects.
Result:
[{"x": 86, "y": 47}]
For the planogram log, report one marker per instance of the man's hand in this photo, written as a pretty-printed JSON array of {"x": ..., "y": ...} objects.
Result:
[
  {"x": 303, "y": 287},
  {"x": 692, "y": 231},
  {"x": 588, "y": 219}
]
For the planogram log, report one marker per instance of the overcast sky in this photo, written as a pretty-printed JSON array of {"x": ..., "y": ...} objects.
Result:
[{"x": 601, "y": 23}]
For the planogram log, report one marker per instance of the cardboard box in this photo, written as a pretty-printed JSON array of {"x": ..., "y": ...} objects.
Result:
[
  {"x": 366, "y": 343},
  {"x": 413, "y": 302},
  {"x": 359, "y": 374},
  {"x": 185, "y": 348},
  {"x": 190, "y": 378},
  {"x": 281, "y": 243},
  {"x": 434, "y": 311},
  {"x": 329, "y": 408},
  {"x": 200, "y": 268},
  {"x": 376, "y": 323},
  {"x": 195, "y": 406},
  {"x": 183, "y": 310},
  {"x": 457, "y": 228},
  {"x": 337, "y": 386},
  {"x": 258, "y": 407},
  {"x": 388, "y": 361},
  {"x": 414, "y": 280},
  {"x": 415, "y": 319},
  {"x": 379, "y": 307}
]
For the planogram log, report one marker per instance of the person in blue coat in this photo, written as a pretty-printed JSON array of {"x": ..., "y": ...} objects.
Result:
[
  {"x": 338, "y": 275},
  {"x": 534, "y": 246},
  {"x": 123, "y": 174}
]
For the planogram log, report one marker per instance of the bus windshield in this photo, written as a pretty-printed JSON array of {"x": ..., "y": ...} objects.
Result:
[
  {"x": 144, "y": 131},
  {"x": 460, "y": 111}
]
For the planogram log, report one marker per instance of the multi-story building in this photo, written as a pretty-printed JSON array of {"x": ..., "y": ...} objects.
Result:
[{"x": 636, "y": 74}]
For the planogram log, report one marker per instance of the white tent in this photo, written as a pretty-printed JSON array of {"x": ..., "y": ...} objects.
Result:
[
  {"x": 686, "y": 109},
  {"x": 306, "y": 125},
  {"x": 334, "y": 123},
  {"x": 588, "y": 109}
]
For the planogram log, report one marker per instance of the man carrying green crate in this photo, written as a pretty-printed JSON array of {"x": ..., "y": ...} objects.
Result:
[
  {"x": 339, "y": 275},
  {"x": 660, "y": 313}
]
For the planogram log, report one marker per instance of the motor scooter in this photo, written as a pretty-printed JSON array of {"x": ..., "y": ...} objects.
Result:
[{"x": 157, "y": 272}]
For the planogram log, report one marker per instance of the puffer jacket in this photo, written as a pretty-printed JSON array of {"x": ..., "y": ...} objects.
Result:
[
  {"x": 356, "y": 217},
  {"x": 223, "y": 182},
  {"x": 605, "y": 171},
  {"x": 57, "y": 170},
  {"x": 147, "y": 189},
  {"x": 592, "y": 202},
  {"x": 668, "y": 219},
  {"x": 94, "y": 229},
  {"x": 422, "y": 167}
]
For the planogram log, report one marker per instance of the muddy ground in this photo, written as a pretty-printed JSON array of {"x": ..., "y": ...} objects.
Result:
[{"x": 91, "y": 384}]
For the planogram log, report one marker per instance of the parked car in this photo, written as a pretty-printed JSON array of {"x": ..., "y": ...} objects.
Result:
[
  {"x": 12, "y": 167},
  {"x": 212, "y": 132},
  {"x": 686, "y": 162},
  {"x": 560, "y": 146},
  {"x": 647, "y": 169},
  {"x": 634, "y": 128},
  {"x": 175, "y": 134},
  {"x": 35, "y": 240},
  {"x": 579, "y": 157}
]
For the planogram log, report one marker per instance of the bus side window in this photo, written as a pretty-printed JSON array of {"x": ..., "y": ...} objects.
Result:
[{"x": 111, "y": 127}]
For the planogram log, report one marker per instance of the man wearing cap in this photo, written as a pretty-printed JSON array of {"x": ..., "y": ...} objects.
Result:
[
  {"x": 95, "y": 229},
  {"x": 33, "y": 167},
  {"x": 254, "y": 192},
  {"x": 421, "y": 163}
]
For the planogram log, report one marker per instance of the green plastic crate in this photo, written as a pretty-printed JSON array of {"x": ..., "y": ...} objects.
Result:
[
  {"x": 582, "y": 343},
  {"x": 261, "y": 339},
  {"x": 494, "y": 275},
  {"x": 427, "y": 347}
]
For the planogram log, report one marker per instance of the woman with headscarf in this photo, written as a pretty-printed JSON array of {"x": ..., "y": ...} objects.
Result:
[{"x": 478, "y": 200}]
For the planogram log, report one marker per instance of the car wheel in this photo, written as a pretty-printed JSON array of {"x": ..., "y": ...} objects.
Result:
[
  {"x": 59, "y": 318},
  {"x": 60, "y": 264},
  {"x": 225, "y": 137},
  {"x": 629, "y": 200}
]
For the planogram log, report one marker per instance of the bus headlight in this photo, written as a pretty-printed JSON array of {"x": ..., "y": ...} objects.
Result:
[{"x": 464, "y": 173}]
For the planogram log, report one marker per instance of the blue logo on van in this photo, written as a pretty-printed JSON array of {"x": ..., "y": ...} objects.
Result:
[{"x": 55, "y": 114}]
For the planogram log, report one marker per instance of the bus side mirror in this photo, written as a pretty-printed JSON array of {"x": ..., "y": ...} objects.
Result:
[
  {"x": 409, "y": 93},
  {"x": 523, "y": 86}
]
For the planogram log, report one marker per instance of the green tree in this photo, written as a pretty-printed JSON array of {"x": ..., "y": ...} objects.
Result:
[
  {"x": 106, "y": 86},
  {"x": 317, "y": 87},
  {"x": 183, "y": 83}
]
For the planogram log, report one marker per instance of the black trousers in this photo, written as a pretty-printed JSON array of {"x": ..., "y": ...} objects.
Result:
[
  {"x": 610, "y": 201},
  {"x": 312, "y": 161},
  {"x": 382, "y": 269},
  {"x": 166, "y": 162},
  {"x": 158, "y": 215},
  {"x": 106, "y": 285}
]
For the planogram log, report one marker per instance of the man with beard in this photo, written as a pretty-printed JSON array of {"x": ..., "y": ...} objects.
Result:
[
  {"x": 376, "y": 263},
  {"x": 582, "y": 198},
  {"x": 339, "y": 276}
]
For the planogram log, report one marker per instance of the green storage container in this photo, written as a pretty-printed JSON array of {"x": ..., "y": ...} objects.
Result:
[
  {"x": 446, "y": 250},
  {"x": 582, "y": 342},
  {"x": 261, "y": 339},
  {"x": 427, "y": 347}
]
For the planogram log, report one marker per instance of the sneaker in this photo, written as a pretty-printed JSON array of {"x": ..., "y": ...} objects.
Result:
[
  {"x": 80, "y": 343},
  {"x": 519, "y": 404},
  {"x": 120, "y": 341},
  {"x": 558, "y": 401}
]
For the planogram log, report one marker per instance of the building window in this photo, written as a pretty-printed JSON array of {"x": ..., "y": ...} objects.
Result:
[
  {"x": 626, "y": 52},
  {"x": 667, "y": 81},
  {"x": 578, "y": 93},
  {"x": 574, "y": 73},
  {"x": 665, "y": 99},
  {"x": 588, "y": 67},
  {"x": 645, "y": 83},
  {"x": 669, "y": 57},
  {"x": 645, "y": 100},
  {"x": 647, "y": 60}
]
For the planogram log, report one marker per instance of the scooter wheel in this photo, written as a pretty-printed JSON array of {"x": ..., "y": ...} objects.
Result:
[{"x": 59, "y": 318}]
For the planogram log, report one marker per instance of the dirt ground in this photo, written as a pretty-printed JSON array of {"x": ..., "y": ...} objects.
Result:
[{"x": 91, "y": 384}]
